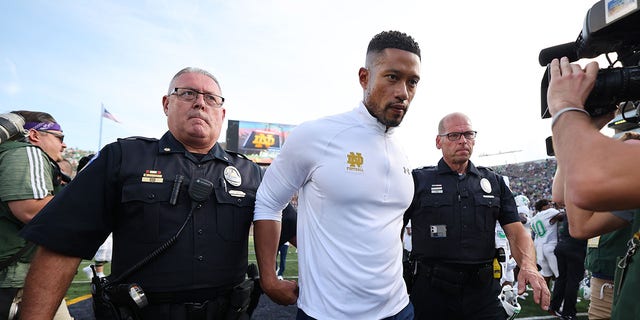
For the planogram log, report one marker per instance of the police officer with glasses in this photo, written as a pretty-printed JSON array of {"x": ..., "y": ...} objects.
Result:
[{"x": 453, "y": 217}]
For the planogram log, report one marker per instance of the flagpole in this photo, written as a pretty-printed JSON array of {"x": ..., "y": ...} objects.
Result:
[{"x": 100, "y": 134}]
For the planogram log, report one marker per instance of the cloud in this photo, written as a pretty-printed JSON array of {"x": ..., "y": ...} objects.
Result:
[
  {"x": 11, "y": 88},
  {"x": 11, "y": 85}
]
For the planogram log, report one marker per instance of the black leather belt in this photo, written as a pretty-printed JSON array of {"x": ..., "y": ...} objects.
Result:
[
  {"x": 456, "y": 273},
  {"x": 195, "y": 295}
]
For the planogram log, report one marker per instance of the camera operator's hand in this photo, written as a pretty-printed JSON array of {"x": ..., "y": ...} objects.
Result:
[{"x": 570, "y": 85}]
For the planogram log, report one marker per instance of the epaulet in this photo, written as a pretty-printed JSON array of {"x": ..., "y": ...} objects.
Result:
[
  {"x": 138, "y": 138},
  {"x": 485, "y": 168},
  {"x": 426, "y": 168},
  {"x": 237, "y": 154}
]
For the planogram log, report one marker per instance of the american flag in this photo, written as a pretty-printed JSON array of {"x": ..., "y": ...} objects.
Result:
[{"x": 108, "y": 115}]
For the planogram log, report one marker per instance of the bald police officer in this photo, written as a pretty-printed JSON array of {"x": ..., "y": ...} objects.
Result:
[{"x": 453, "y": 217}]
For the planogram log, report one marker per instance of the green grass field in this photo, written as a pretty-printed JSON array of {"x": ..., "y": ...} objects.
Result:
[
  {"x": 80, "y": 286},
  {"x": 530, "y": 309}
]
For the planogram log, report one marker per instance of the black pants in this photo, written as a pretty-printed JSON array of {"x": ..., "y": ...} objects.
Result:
[
  {"x": 467, "y": 296},
  {"x": 571, "y": 272},
  {"x": 6, "y": 298}
]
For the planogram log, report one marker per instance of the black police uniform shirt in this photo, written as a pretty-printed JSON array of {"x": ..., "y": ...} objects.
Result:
[
  {"x": 453, "y": 217},
  {"x": 127, "y": 190}
]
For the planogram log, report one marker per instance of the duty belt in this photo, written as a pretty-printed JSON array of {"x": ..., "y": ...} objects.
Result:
[
  {"x": 453, "y": 278},
  {"x": 195, "y": 295}
]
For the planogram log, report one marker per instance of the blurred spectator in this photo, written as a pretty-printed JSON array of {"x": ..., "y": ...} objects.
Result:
[
  {"x": 570, "y": 253},
  {"x": 522, "y": 203},
  {"x": 545, "y": 228},
  {"x": 30, "y": 177},
  {"x": 406, "y": 238},
  {"x": 507, "y": 277},
  {"x": 66, "y": 168},
  {"x": 282, "y": 251},
  {"x": 65, "y": 172}
]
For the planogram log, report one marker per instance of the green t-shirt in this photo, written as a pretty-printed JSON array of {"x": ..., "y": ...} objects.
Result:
[
  {"x": 625, "y": 304},
  {"x": 26, "y": 173},
  {"x": 602, "y": 252}
]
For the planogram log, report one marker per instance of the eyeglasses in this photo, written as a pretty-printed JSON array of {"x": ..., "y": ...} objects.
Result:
[
  {"x": 190, "y": 95},
  {"x": 60, "y": 136},
  {"x": 455, "y": 136}
]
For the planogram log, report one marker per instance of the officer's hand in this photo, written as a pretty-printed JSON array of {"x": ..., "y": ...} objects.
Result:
[
  {"x": 541, "y": 293},
  {"x": 284, "y": 292}
]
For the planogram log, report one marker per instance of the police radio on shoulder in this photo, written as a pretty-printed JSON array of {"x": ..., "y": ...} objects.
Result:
[{"x": 555, "y": 117}]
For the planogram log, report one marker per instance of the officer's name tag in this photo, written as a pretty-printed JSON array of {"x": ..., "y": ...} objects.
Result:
[
  {"x": 439, "y": 231},
  {"x": 237, "y": 193},
  {"x": 488, "y": 196}
]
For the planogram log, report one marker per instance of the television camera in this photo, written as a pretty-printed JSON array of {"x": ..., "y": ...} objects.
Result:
[{"x": 610, "y": 26}]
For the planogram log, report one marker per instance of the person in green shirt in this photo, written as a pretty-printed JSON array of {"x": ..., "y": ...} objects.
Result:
[
  {"x": 602, "y": 252},
  {"x": 610, "y": 298},
  {"x": 30, "y": 176}
]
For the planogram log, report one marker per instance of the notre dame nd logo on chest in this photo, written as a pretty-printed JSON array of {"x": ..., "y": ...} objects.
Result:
[{"x": 355, "y": 161}]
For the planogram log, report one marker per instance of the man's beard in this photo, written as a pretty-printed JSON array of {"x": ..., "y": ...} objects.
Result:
[
  {"x": 380, "y": 114},
  {"x": 390, "y": 121}
]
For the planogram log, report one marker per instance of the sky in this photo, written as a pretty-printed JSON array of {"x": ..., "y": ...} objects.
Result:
[{"x": 284, "y": 61}]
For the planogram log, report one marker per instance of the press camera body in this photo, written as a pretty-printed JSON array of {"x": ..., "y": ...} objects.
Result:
[
  {"x": 611, "y": 26},
  {"x": 11, "y": 124}
]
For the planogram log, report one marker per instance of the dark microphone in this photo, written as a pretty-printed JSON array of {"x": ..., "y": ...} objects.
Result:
[
  {"x": 568, "y": 50},
  {"x": 177, "y": 183}
]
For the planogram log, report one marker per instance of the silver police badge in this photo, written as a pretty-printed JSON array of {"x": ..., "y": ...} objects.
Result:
[
  {"x": 232, "y": 175},
  {"x": 485, "y": 185}
]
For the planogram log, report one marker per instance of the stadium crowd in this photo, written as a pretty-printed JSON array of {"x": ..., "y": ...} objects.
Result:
[{"x": 532, "y": 178}]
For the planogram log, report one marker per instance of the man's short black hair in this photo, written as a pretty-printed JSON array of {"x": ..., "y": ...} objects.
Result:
[
  {"x": 541, "y": 204},
  {"x": 394, "y": 40}
]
